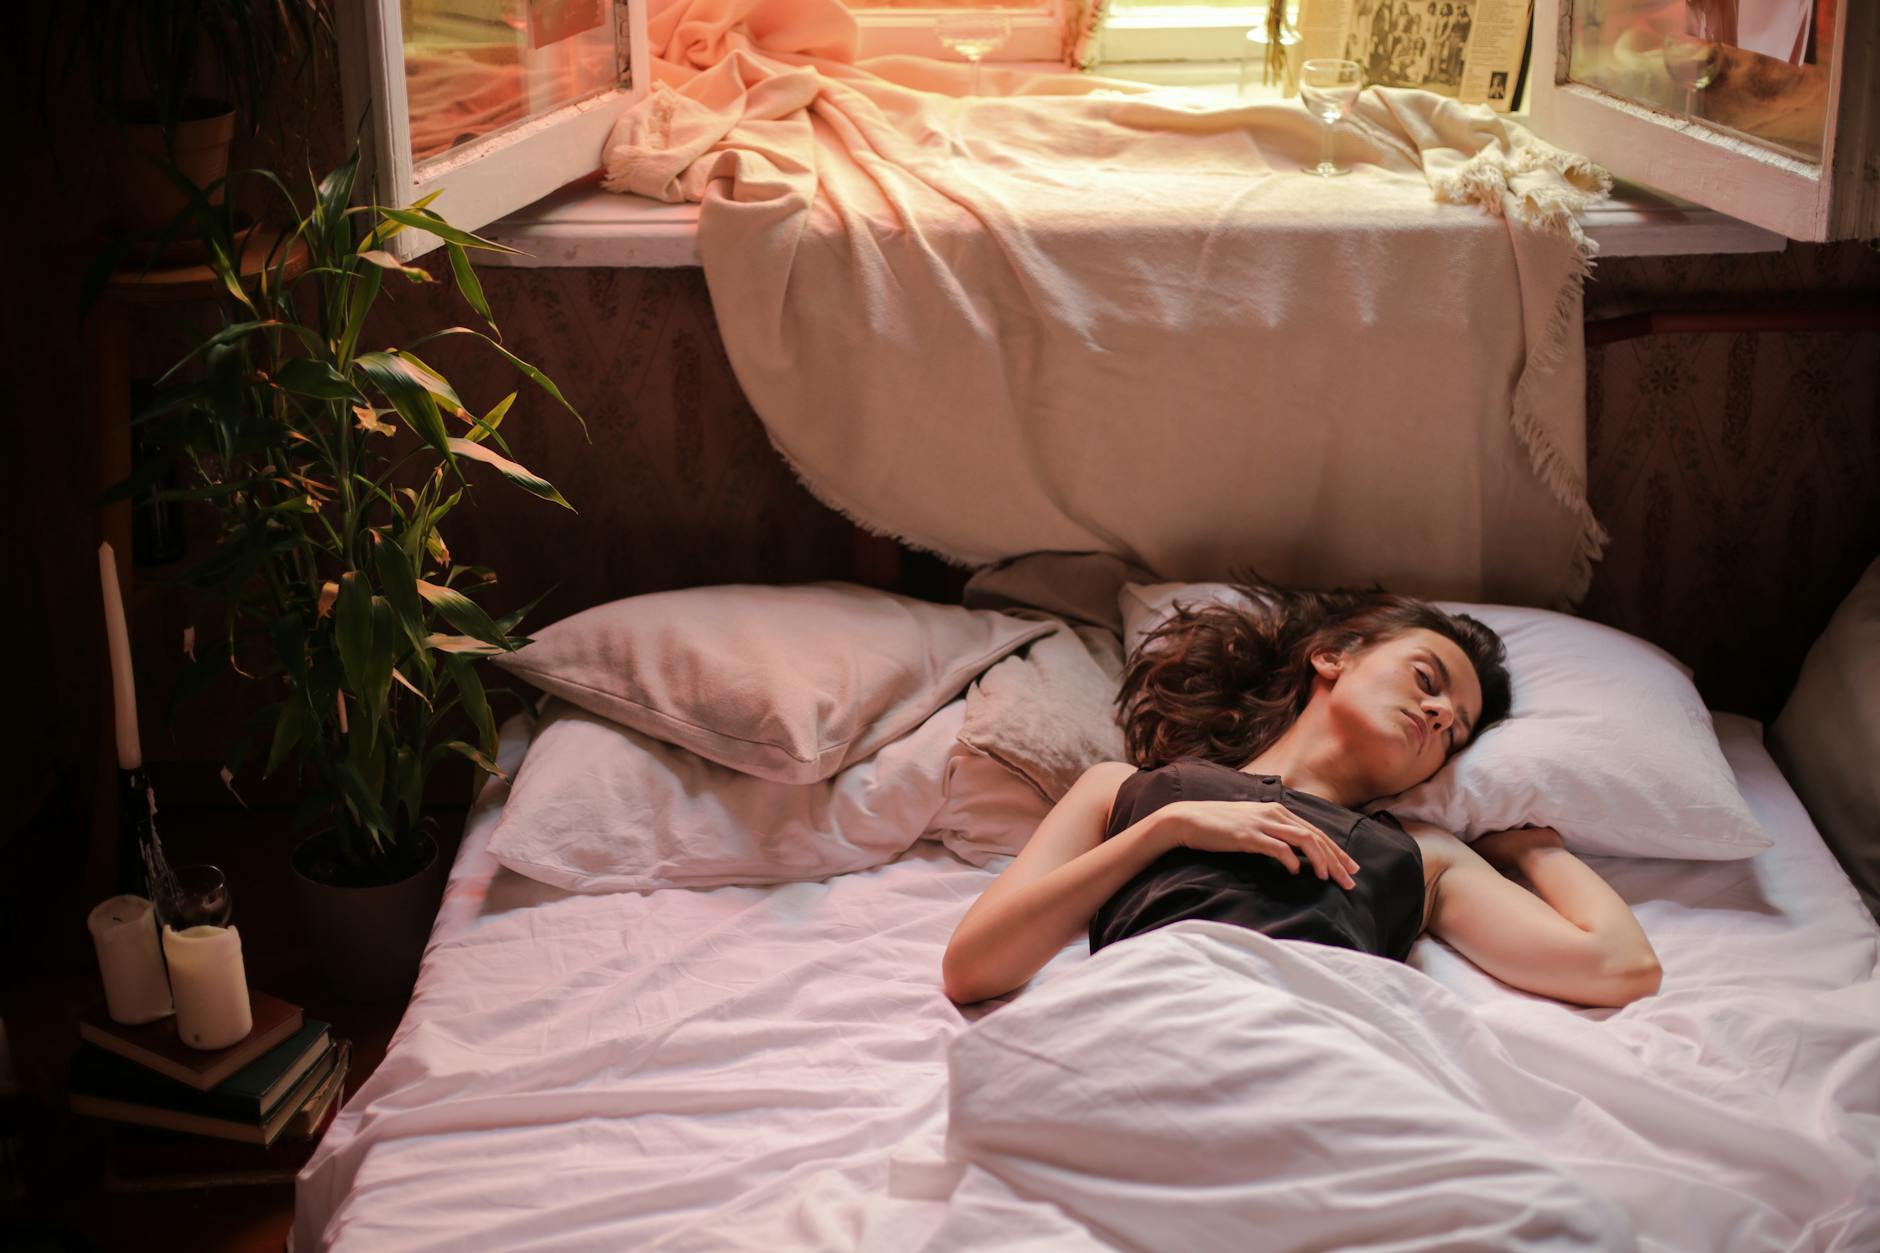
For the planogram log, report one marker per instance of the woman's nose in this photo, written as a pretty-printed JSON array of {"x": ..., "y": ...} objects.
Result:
[{"x": 1439, "y": 713}]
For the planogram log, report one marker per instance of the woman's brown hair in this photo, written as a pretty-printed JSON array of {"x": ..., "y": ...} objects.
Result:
[{"x": 1223, "y": 682}]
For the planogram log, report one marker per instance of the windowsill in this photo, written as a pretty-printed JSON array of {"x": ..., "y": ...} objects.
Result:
[{"x": 584, "y": 226}]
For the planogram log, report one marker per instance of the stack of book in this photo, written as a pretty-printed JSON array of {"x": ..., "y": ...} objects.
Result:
[{"x": 186, "y": 1117}]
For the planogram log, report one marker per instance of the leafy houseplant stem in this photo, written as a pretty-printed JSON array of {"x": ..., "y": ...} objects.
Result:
[{"x": 330, "y": 470}]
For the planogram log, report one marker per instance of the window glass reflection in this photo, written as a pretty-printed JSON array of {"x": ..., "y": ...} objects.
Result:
[
  {"x": 1754, "y": 67},
  {"x": 474, "y": 66}
]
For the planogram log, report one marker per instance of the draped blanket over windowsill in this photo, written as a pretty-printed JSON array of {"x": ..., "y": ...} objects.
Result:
[{"x": 1078, "y": 314}]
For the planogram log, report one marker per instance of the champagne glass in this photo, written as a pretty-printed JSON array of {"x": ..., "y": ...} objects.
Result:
[
  {"x": 973, "y": 35},
  {"x": 1329, "y": 87}
]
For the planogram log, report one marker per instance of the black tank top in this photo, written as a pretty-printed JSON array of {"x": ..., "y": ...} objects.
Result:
[{"x": 1383, "y": 914}]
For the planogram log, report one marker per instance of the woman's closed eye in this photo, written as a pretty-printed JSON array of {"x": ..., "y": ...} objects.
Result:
[{"x": 1428, "y": 683}]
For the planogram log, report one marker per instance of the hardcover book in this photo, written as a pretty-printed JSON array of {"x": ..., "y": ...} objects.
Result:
[
  {"x": 244, "y": 1095},
  {"x": 207, "y": 1123},
  {"x": 156, "y": 1045},
  {"x": 150, "y": 1159}
]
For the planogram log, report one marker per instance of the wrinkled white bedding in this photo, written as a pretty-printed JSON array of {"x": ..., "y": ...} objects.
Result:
[{"x": 767, "y": 1068}]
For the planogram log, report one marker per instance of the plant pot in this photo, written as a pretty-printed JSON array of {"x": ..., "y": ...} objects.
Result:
[
  {"x": 144, "y": 198},
  {"x": 367, "y": 941}
]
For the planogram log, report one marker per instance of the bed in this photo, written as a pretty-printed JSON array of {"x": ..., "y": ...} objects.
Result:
[{"x": 777, "y": 1067}]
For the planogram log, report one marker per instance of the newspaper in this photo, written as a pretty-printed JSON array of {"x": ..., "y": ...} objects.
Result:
[{"x": 1467, "y": 49}]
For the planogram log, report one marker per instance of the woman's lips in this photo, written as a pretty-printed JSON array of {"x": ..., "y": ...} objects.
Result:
[{"x": 1423, "y": 732}]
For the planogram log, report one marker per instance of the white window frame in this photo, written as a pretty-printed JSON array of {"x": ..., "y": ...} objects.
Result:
[
  {"x": 491, "y": 176},
  {"x": 1836, "y": 198}
]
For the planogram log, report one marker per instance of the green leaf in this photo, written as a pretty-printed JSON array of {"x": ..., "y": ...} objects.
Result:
[
  {"x": 464, "y": 614},
  {"x": 483, "y": 763},
  {"x": 386, "y": 261},
  {"x": 364, "y": 291},
  {"x": 468, "y": 283},
  {"x": 288, "y": 730},
  {"x": 352, "y": 623},
  {"x": 487, "y": 424},
  {"x": 435, "y": 383},
  {"x": 363, "y": 801},
  {"x": 475, "y": 701},
  {"x": 461, "y": 645},
  {"x": 304, "y": 376},
  {"x": 400, "y": 582},
  {"x": 432, "y": 221},
  {"x": 401, "y": 384},
  {"x": 522, "y": 475},
  {"x": 540, "y": 379},
  {"x": 227, "y": 335}
]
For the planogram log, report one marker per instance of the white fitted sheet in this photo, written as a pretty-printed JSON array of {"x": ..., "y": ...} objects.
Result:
[{"x": 766, "y": 1068}]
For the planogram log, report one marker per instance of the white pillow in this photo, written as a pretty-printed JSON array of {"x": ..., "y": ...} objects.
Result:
[
  {"x": 1608, "y": 742},
  {"x": 598, "y": 807},
  {"x": 986, "y": 810},
  {"x": 787, "y": 683}
]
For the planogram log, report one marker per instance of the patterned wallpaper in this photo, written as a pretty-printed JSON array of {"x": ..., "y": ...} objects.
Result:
[{"x": 1739, "y": 473}]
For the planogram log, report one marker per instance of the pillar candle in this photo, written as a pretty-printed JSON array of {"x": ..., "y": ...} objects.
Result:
[
  {"x": 210, "y": 985},
  {"x": 123, "y": 685},
  {"x": 124, "y": 930}
]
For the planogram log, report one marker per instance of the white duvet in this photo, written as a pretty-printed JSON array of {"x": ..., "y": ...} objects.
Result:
[
  {"x": 1203, "y": 1083},
  {"x": 777, "y": 1068}
]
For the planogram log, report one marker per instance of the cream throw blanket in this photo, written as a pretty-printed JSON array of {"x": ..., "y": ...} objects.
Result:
[{"x": 1085, "y": 315}]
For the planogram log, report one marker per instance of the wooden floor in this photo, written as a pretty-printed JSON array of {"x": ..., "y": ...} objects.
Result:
[{"x": 51, "y": 1190}]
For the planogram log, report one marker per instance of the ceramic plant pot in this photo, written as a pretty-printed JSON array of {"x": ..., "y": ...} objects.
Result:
[
  {"x": 367, "y": 940},
  {"x": 144, "y": 199}
]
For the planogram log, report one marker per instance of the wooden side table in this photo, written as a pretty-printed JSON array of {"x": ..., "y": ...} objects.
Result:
[{"x": 107, "y": 348}]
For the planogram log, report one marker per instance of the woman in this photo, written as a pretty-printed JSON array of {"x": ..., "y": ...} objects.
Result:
[{"x": 1262, "y": 733}]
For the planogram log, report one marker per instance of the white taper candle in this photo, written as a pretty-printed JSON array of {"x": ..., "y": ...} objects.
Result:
[
  {"x": 123, "y": 685},
  {"x": 124, "y": 930}
]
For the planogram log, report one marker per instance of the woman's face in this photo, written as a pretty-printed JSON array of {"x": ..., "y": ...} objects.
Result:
[{"x": 1402, "y": 707}]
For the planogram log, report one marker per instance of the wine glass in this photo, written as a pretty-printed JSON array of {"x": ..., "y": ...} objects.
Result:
[
  {"x": 973, "y": 35},
  {"x": 1693, "y": 56},
  {"x": 194, "y": 896},
  {"x": 1329, "y": 87}
]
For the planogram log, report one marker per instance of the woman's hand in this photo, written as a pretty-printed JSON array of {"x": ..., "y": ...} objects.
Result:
[
  {"x": 1507, "y": 850},
  {"x": 1264, "y": 827}
]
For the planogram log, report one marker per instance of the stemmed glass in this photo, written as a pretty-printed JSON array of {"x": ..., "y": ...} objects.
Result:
[
  {"x": 194, "y": 896},
  {"x": 973, "y": 35},
  {"x": 1693, "y": 58},
  {"x": 1329, "y": 87}
]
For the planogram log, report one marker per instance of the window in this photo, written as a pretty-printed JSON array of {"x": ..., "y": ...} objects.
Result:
[
  {"x": 492, "y": 103},
  {"x": 1768, "y": 110},
  {"x": 501, "y": 102}
]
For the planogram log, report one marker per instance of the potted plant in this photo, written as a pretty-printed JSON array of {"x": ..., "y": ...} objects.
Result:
[
  {"x": 170, "y": 76},
  {"x": 329, "y": 468}
]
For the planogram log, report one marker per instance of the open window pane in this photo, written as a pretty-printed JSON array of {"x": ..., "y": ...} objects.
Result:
[
  {"x": 1757, "y": 68},
  {"x": 475, "y": 66}
]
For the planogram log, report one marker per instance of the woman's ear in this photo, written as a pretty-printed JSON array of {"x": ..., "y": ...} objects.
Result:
[{"x": 1328, "y": 663}]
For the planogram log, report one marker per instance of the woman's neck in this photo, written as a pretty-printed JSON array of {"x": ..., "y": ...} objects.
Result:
[{"x": 1307, "y": 759}]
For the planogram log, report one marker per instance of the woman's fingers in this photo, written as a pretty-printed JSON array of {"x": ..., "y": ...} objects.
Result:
[
  {"x": 1328, "y": 860},
  {"x": 1280, "y": 851}
]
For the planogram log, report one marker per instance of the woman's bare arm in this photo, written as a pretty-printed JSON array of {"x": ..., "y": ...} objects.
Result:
[
  {"x": 1050, "y": 892},
  {"x": 1573, "y": 938}
]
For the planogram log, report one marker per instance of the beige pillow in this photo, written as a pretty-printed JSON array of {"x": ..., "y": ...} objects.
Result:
[
  {"x": 1827, "y": 739},
  {"x": 789, "y": 684}
]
